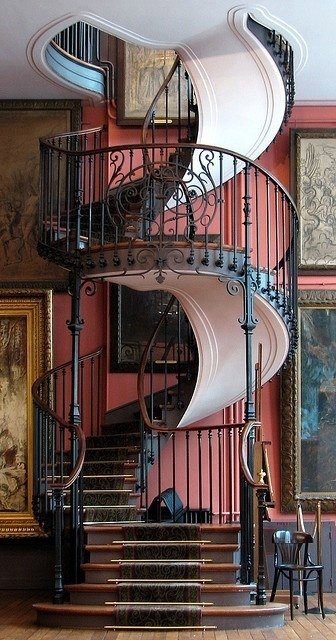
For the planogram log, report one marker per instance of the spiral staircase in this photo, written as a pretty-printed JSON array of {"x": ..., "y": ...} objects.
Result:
[{"x": 218, "y": 232}]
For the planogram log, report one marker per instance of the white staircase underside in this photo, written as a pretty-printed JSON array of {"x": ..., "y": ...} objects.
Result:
[
  {"x": 214, "y": 315},
  {"x": 239, "y": 89}
]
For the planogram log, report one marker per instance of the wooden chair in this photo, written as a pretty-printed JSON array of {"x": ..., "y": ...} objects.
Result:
[{"x": 291, "y": 557}]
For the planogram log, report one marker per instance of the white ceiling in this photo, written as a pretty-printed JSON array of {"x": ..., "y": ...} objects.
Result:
[{"x": 27, "y": 25}]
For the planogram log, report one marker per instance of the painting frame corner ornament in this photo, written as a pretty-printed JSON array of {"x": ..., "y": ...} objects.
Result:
[
  {"x": 25, "y": 354},
  {"x": 22, "y": 124},
  {"x": 313, "y": 160},
  {"x": 308, "y": 397}
]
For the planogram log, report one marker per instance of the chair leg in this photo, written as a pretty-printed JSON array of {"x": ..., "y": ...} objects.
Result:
[
  {"x": 320, "y": 586},
  {"x": 291, "y": 594},
  {"x": 275, "y": 583},
  {"x": 305, "y": 599}
]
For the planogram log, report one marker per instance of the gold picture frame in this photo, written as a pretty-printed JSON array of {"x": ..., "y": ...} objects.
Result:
[
  {"x": 314, "y": 186},
  {"x": 308, "y": 396},
  {"x": 141, "y": 72},
  {"x": 25, "y": 353},
  {"x": 22, "y": 123}
]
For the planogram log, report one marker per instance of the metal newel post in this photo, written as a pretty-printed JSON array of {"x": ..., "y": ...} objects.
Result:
[
  {"x": 75, "y": 325},
  {"x": 248, "y": 326},
  {"x": 261, "y": 590},
  {"x": 58, "y": 570}
]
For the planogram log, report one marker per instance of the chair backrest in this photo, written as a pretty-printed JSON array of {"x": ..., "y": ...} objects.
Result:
[{"x": 288, "y": 545}]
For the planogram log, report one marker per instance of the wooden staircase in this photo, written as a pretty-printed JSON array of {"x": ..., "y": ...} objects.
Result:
[
  {"x": 150, "y": 575},
  {"x": 213, "y": 599}
]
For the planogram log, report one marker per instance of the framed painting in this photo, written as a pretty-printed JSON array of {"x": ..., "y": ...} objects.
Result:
[
  {"x": 134, "y": 315},
  {"x": 309, "y": 407},
  {"x": 141, "y": 72},
  {"x": 22, "y": 123},
  {"x": 314, "y": 185},
  {"x": 25, "y": 353}
]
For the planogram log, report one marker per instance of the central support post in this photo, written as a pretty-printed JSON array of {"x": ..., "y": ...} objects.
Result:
[
  {"x": 75, "y": 325},
  {"x": 248, "y": 325}
]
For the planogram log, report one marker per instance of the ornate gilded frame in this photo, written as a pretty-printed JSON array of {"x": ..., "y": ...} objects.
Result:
[
  {"x": 291, "y": 389},
  {"x": 22, "y": 124},
  {"x": 25, "y": 353},
  {"x": 313, "y": 161}
]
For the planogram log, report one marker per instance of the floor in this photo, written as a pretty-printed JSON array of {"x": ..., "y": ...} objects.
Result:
[{"x": 17, "y": 622}]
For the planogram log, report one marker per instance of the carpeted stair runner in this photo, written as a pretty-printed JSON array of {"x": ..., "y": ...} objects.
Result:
[
  {"x": 163, "y": 592},
  {"x": 158, "y": 555},
  {"x": 109, "y": 475},
  {"x": 164, "y": 615}
]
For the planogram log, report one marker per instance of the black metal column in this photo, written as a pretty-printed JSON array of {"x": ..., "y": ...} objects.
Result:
[
  {"x": 248, "y": 325},
  {"x": 75, "y": 325}
]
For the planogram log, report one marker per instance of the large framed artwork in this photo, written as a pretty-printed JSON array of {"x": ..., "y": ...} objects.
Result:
[
  {"x": 141, "y": 72},
  {"x": 314, "y": 184},
  {"x": 25, "y": 353},
  {"x": 308, "y": 429},
  {"x": 22, "y": 123}
]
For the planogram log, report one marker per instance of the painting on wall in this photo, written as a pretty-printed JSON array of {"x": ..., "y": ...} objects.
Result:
[
  {"x": 141, "y": 73},
  {"x": 314, "y": 184},
  {"x": 25, "y": 353},
  {"x": 22, "y": 123},
  {"x": 309, "y": 407},
  {"x": 129, "y": 337}
]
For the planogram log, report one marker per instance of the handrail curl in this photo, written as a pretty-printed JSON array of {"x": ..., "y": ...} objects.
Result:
[
  {"x": 63, "y": 424},
  {"x": 243, "y": 455}
]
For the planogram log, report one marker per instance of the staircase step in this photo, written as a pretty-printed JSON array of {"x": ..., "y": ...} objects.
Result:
[
  {"x": 98, "y": 467},
  {"x": 219, "y": 572},
  {"x": 111, "y": 514},
  {"x": 105, "y": 497},
  {"x": 211, "y": 592},
  {"x": 104, "y": 441},
  {"x": 105, "y": 552},
  {"x": 107, "y": 534},
  {"x": 119, "y": 428},
  {"x": 252, "y": 616},
  {"x": 104, "y": 616},
  {"x": 108, "y": 482},
  {"x": 127, "y": 453}
]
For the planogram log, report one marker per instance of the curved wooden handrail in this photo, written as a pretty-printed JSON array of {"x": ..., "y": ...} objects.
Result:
[
  {"x": 143, "y": 362},
  {"x": 48, "y": 143},
  {"x": 243, "y": 455},
  {"x": 61, "y": 367},
  {"x": 158, "y": 95},
  {"x": 63, "y": 424}
]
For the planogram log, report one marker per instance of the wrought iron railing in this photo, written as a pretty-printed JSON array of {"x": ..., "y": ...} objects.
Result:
[
  {"x": 60, "y": 449},
  {"x": 162, "y": 207},
  {"x": 83, "y": 42},
  {"x": 200, "y": 465},
  {"x": 283, "y": 56}
]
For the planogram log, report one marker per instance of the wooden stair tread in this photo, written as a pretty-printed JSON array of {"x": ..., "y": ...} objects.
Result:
[
  {"x": 210, "y": 566},
  {"x": 75, "y": 609},
  {"x": 213, "y": 587},
  {"x": 202, "y": 627},
  {"x": 270, "y": 608},
  {"x": 206, "y": 585},
  {"x": 204, "y": 528},
  {"x": 120, "y": 544}
]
